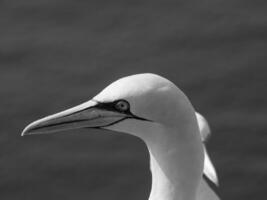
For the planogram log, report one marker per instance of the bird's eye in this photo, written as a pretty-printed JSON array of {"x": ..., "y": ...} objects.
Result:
[{"x": 122, "y": 105}]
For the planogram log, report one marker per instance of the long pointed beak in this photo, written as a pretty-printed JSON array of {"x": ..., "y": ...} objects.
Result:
[{"x": 86, "y": 115}]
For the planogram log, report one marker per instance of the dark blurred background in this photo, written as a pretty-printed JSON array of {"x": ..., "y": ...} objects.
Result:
[{"x": 55, "y": 54}]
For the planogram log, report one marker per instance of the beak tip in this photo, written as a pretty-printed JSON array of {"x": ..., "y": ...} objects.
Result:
[{"x": 27, "y": 130}]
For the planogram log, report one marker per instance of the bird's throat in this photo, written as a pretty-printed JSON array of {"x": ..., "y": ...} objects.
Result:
[
  {"x": 176, "y": 170},
  {"x": 162, "y": 187}
]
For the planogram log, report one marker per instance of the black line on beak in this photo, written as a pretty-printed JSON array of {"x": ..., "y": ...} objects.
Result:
[
  {"x": 122, "y": 119},
  {"x": 56, "y": 124}
]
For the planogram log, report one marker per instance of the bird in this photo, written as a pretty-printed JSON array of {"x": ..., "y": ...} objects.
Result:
[{"x": 154, "y": 109}]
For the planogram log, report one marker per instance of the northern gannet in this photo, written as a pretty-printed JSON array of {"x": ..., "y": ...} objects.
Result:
[{"x": 157, "y": 111}]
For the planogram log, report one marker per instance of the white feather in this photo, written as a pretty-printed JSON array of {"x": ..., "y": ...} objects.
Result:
[{"x": 209, "y": 169}]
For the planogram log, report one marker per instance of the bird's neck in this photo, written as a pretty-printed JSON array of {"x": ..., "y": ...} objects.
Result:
[{"x": 176, "y": 165}]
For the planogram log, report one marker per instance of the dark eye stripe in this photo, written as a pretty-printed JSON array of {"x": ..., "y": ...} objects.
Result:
[{"x": 111, "y": 106}]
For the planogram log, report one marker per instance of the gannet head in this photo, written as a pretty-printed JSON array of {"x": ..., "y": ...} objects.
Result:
[
  {"x": 132, "y": 104},
  {"x": 154, "y": 109}
]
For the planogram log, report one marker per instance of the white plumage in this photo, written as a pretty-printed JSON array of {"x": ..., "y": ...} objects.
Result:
[{"x": 155, "y": 110}]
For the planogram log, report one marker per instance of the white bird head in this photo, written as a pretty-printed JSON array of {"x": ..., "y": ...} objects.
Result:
[
  {"x": 131, "y": 104},
  {"x": 154, "y": 109}
]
